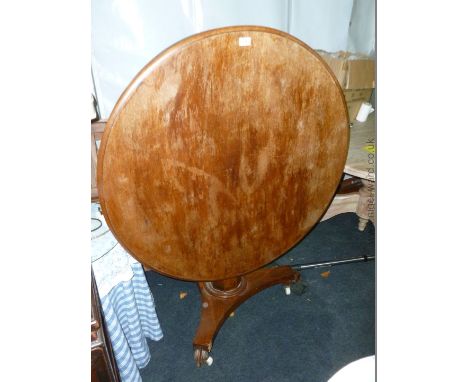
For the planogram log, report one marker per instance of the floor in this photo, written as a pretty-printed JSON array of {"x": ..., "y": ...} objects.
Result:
[{"x": 272, "y": 336}]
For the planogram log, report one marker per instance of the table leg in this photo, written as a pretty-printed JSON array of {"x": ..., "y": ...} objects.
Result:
[
  {"x": 366, "y": 204},
  {"x": 217, "y": 304},
  {"x": 362, "y": 224}
]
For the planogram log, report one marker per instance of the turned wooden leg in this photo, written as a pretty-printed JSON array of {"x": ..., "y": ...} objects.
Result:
[
  {"x": 220, "y": 298},
  {"x": 362, "y": 224},
  {"x": 366, "y": 204}
]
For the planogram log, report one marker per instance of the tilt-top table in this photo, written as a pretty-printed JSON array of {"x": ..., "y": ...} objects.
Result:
[{"x": 220, "y": 156}]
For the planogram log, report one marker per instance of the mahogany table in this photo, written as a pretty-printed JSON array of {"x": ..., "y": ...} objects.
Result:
[{"x": 221, "y": 155}]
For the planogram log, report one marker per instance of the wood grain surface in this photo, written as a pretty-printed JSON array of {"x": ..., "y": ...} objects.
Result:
[{"x": 219, "y": 157}]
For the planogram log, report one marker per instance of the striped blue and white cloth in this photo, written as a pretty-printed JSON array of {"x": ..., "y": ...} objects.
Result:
[
  {"x": 130, "y": 316},
  {"x": 127, "y": 303}
]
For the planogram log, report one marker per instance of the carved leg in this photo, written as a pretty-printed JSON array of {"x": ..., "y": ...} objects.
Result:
[
  {"x": 366, "y": 205},
  {"x": 220, "y": 298}
]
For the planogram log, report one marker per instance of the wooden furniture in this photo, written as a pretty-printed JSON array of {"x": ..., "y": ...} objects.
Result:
[
  {"x": 221, "y": 154},
  {"x": 361, "y": 163},
  {"x": 97, "y": 129},
  {"x": 342, "y": 203},
  {"x": 351, "y": 184},
  {"x": 103, "y": 367}
]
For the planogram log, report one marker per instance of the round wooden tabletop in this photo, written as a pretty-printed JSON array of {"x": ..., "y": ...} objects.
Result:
[{"x": 222, "y": 153}]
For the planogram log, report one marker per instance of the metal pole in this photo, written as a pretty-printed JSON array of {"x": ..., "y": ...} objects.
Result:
[{"x": 333, "y": 262}]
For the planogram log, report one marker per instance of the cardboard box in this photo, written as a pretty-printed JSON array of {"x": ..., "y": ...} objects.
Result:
[
  {"x": 337, "y": 63},
  {"x": 352, "y": 71},
  {"x": 361, "y": 74},
  {"x": 357, "y": 94},
  {"x": 353, "y": 109},
  {"x": 356, "y": 75},
  {"x": 354, "y": 98}
]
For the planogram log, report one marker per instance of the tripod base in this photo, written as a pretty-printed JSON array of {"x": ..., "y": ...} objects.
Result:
[{"x": 221, "y": 298}]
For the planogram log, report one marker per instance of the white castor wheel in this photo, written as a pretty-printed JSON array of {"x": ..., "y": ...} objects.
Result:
[
  {"x": 202, "y": 357},
  {"x": 287, "y": 290}
]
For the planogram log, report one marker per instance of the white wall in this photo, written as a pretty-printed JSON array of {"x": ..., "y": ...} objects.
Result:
[
  {"x": 361, "y": 36},
  {"x": 127, "y": 34},
  {"x": 322, "y": 24}
]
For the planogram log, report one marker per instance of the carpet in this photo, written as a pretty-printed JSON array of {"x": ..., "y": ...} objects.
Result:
[{"x": 272, "y": 336}]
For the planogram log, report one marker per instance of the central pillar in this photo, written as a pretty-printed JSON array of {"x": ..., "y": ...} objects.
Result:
[{"x": 220, "y": 298}]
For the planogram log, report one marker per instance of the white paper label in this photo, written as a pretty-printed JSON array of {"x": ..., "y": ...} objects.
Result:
[{"x": 245, "y": 41}]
